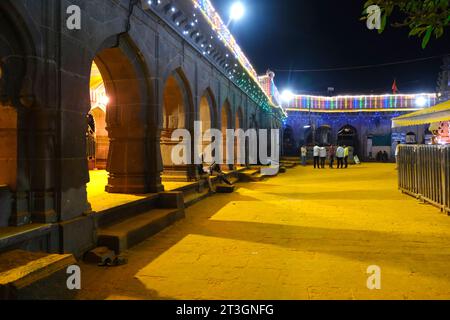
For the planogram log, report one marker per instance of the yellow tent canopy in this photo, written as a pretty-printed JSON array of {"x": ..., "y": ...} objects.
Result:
[{"x": 438, "y": 113}]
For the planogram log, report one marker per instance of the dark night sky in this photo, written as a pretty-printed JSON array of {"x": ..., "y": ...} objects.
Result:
[{"x": 317, "y": 34}]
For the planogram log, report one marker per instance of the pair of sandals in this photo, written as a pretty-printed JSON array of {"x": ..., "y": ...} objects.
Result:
[{"x": 117, "y": 261}]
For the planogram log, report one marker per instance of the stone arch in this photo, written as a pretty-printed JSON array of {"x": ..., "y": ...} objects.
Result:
[
  {"x": 18, "y": 38},
  {"x": 348, "y": 135},
  {"x": 177, "y": 113},
  {"x": 207, "y": 114},
  {"x": 226, "y": 116},
  {"x": 324, "y": 135},
  {"x": 178, "y": 83},
  {"x": 239, "y": 119},
  {"x": 208, "y": 106},
  {"x": 125, "y": 75},
  {"x": 239, "y": 124}
]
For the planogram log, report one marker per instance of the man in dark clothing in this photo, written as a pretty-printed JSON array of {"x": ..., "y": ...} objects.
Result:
[{"x": 332, "y": 154}]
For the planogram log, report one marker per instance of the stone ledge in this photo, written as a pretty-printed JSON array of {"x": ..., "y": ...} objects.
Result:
[{"x": 27, "y": 275}]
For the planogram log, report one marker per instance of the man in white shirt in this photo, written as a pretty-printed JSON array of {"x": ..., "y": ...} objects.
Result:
[
  {"x": 340, "y": 153},
  {"x": 323, "y": 156},
  {"x": 304, "y": 153},
  {"x": 316, "y": 152}
]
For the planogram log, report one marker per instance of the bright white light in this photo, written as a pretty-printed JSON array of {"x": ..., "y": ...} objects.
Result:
[
  {"x": 287, "y": 96},
  {"x": 104, "y": 100},
  {"x": 421, "y": 102},
  {"x": 237, "y": 11}
]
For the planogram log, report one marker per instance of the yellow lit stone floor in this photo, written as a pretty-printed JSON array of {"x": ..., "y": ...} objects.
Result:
[
  {"x": 101, "y": 200},
  {"x": 307, "y": 234}
]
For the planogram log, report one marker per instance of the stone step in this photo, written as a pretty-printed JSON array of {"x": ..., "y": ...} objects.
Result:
[
  {"x": 35, "y": 276},
  {"x": 288, "y": 164},
  {"x": 192, "y": 198},
  {"x": 110, "y": 216},
  {"x": 224, "y": 188},
  {"x": 250, "y": 172},
  {"x": 258, "y": 177},
  {"x": 251, "y": 175},
  {"x": 125, "y": 234}
]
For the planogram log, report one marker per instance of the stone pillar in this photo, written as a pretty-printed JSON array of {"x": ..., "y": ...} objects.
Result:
[
  {"x": 172, "y": 172},
  {"x": 126, "y": 160}
]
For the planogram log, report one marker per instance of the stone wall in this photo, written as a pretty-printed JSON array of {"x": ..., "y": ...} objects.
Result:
[{"x": 45, "y": 77}]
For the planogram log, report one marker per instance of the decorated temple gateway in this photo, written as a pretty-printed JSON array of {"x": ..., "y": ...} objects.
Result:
[{"x": 363, "y": 122}]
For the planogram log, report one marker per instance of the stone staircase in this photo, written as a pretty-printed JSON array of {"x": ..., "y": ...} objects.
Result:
[
  {"x": 125, "y": 226},
  {"x": 251, "y": 175},
  {"x": 289, "y": 162}
]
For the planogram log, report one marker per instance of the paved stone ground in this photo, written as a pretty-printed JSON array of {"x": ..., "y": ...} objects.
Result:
[{"x": 307, "y": 234}]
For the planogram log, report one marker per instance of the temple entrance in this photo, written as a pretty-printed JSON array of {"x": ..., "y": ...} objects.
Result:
[
  {"x": 348, "y": 136},
  {"x": 176, "y": 105}
]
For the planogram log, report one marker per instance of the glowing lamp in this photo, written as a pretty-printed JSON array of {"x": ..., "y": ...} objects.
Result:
[
  {"x": 237, "y": 11},
  {"x": 421, "y": 102},
  {"x": 104, "y": 100},
  {"x": 287, "y": 96}
]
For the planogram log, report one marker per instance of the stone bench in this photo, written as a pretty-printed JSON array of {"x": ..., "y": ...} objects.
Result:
[{"x": 5, "y": 205}]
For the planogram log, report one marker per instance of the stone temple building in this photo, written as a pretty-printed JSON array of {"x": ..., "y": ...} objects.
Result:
[
  {"x": 90, "y": 92},
  {"x": 363, "y": 122}
]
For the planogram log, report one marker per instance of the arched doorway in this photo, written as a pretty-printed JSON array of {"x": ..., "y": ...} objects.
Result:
[
  {"x": 323, "y": 135},
  {"x": 411, "y": 138},
  {"x": 97, "y": 139},
  {"x": 348, "y": 136},
  {"x": 177, "y": 107},
  {"x": 207, "y": 116},
  {"x": 8, "y": 144},
  {"x": 226, "y": 123},
  {"x": 17, "y": 55},
  {"x": 116, "y": 122}
]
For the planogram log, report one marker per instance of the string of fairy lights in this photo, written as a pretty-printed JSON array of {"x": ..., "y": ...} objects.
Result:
[
  {"x": 262, "y": 90},
  {"x": 389, "y": 102},
  {"x": 246, "y": 79}
]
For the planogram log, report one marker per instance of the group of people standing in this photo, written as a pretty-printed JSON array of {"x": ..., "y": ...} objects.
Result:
[{"x": 320, "y": 153}]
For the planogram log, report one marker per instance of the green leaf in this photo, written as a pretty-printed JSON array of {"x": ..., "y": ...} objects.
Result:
[
  {"x": 427, "y": 37},
  {"x": 383, "y": 24}
]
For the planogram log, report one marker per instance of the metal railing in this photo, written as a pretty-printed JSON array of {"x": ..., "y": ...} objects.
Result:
[{"x": 424, "y": 172}]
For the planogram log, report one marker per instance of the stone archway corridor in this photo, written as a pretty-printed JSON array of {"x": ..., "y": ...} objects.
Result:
[{"x": 302, "y": 235}]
